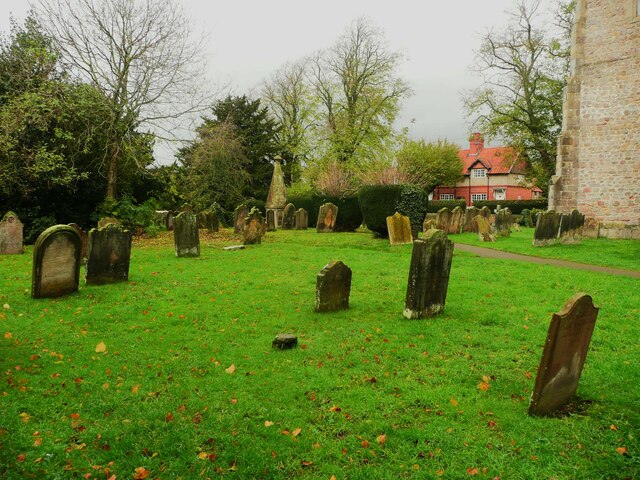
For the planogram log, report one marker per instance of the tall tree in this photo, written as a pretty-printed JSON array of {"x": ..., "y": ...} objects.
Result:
[
  {"x": 523, "y": 68},
  {"x": 360, "y": 93},
  {"x": 138, "y": 53},
  {"x": 430, "y": 164}
]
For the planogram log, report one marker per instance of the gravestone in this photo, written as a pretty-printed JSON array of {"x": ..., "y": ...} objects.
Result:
[
  {"x": 11, "y": 239},
  {"x": 547, "y": 227},
  {"x": 104, "y": 221},
  {"x": 504, "y": 219},
  {"x": 277, "y": 196},
  {"x": 253, "y": 226},
  {"x": 591, "y": 228},
  {"x": 288, "y": 217},
  {"x": 399, "y": 228},
  {"x": 326, "y": 218},
  {"x": 209, "y": 219},
  {"x": 456, "y": 221},
  {"x": 428, "y": 275},
  {"x": 469, "y": 224},
  {"x": 428, "y": 224},
  {"x": 285, "y": 341},
  {"x": 570, "y": 231},
  {"x": 443, "y": 219},
  {"x": 301, "y": 219},
  {"x": 162, "y": 218},
  {"x": 485, "y": 232},
  {"x": 271, "y": 221},
  {"x": 108, "y": 255},
  {"x": 56, "y": 262},
  {"x": 83, "y": 238},
  {"x": 565, "y": 351},
  {"x": 333, "y": 286},
  {"x": 241, "y": 211},
  {"x": 485, "y": 212},
  {"x": 527, "y": 218},
  {"x": 186, "y": 237}
]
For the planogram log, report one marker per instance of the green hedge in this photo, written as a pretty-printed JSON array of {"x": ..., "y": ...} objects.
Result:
[
  {"x": 435, "y": 205},
  {"x": 516, "y": 206},
  {"x": 349, "y": 213},
  {"x": 377, "y": 202}
]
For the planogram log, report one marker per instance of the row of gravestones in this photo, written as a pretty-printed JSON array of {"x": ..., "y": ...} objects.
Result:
[
  {"x": 206, "y": 219},
  {"x": 553, "y": 227},
  {"x": 567, "y": 341},
  {"x": 292, "y": 219}
]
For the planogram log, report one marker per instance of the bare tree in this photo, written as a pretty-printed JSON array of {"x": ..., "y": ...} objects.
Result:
[{"x": 139, "y": 54}]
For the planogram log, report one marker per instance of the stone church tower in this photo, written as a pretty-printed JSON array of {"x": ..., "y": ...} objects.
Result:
[{"x": 598, "y": 163}]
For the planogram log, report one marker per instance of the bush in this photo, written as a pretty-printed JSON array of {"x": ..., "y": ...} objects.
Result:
[
  {"x": 377, "y": 202},
  {"x": 135, "y": 218},
  {"x": 435, "y": 205},
  {"x": 34, "y": 227},
  {"x": 516, "y": 206},
  {"x": 349, "y": 213}
]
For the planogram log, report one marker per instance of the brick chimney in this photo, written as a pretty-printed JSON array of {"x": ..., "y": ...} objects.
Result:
[{"x": 476, "y": 143}]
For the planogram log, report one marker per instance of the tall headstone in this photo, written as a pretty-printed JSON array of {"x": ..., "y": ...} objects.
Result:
[
  {"x": 571, "y": 226},
  {"x": 333, "y": 286},
  {"x": 547, "y": 227},
  {"x": 428, "y": 275},
  {"x": 241, "y": 213},
  {"x": 591, "y": 228},
  {"x": 485, "y": 212},
  {"x": 504, "y": 220},
  {"x": 277, "y": 196},
  {"x": 302, "y": 219},
  {"x": 564, "y": 354},
  {"x": 527, "y": 218},
  {"x": 443, "y": 219},
  {"x": 186, "y": 237},
  {"x": 56, "y": 262},
  {"x": 11, "y": 239},
  {"x": 456, "y": 220},
  {"x": 399, "y": 228},
  {"x": 485, "y": 232},
  {"x": 469, "y": 224},
  {"x": 83, "y": 237},
  {"x": 253, "y": 227},
  {"x": 288, "y": 217},
  {"x": 108, "y": 255},
  {"x": 326, "y": 218}
]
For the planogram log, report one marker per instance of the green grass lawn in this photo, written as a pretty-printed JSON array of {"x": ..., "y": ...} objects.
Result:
[{"x": 189, "y": 387}]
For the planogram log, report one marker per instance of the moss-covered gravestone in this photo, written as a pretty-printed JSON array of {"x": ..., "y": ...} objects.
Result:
[
  {"x": 271, "y": 221},
  {"x": 485, "y": 231},
  {"x": 186, "y": 236},
  {"x": 56, "y": 262},
  {"x": 591, "y": 228},
  {"x": 327, "y": 215},
  {"x": 469, "y": 224},
  {"x": 333, "y": 287},
  {"x": 241, "y": 213},
  {"x": 565, "y": 351},
  {"x": 527, "y": 218},
  {"x": 399, "y": 228},
  {"x": 11, "y": 239},
  {"x": 485, "y": 212},
  {"x": 443, "y": 219},
  {"x": 83, "y": 237},
  {"x": 504, "y": 220},
  {"x": 288, "y": 217},
  {"x": 547, "y": 227},
  {"x": 302, "y": 219},
  {"x": 456, "y": 221},
  {"x": 571, "y": 225},
  {"x": 253, "y": 227},
  {"x": 209, "y": 219},
  {"x": 108, "y": 255},
  {"x": 428, "y": 275}
]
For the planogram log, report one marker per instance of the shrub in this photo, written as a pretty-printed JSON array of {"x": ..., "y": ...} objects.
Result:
[
  {"x": 34, "y": 227},
  {"x": 434, "y": 205},
  {"x": 516, "y": 206},
  {"x": 135, "y": 218},
  {"x": 377, "y": 202}
]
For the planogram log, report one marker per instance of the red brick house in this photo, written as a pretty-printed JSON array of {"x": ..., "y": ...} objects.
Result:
[{"x": 494, "y": 173}]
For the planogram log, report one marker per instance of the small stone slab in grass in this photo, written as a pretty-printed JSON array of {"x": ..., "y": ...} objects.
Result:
[
  {"x": 233, "y": 248},
  {"x": 285, "y": 341}
]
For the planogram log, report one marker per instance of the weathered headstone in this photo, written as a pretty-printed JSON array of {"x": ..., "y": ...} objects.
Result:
[
  {"x": 326, "y": 218},
  {"x": 428, "y": 224},
  {"x": 108, "y": 255},
  {"x": 83, "y": 238},
  {"x": 104, "y": 221},
  {"x": 253, "y": 226},
  {"x": 277, "y": 196},
  {"x": 241, "y": 212},
  {"x": 399, "y": 228},
  {"x": 456, "y": 221},
  {"x": 504, "y": 220},
  {"x": 186, "y": 237},
  {"x": 571, "y": 226},
  {"x": 333, "y": 286},
  {"x": 11, "y": 239},
  {"x": 591, "y": 228},
  {"x": 485, "y": 212},
  {"x": 526, "y": 217},
  {"x": 209, "y": 219},
  {"x": 162, "y": 218},
  {"x": 288, "y": 217},
  {"x": 485, "y": 232},
  {"x": 428, "y": 275},
  {"x": 565, "y": 351},
  {"x": 56, "y": 262},
  {"x": 302, "y": 219},
  {"x": 443, "y": 219},
  {"x": 271, "y": 221},
  {"x": 285, "y": 341},
  {"x": 469, "y": 224},
  {"x": 547, "y": 226}
]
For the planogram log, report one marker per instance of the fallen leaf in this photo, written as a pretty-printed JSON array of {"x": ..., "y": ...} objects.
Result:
[
  {"x": 365, "y": 443},
  {"x": 484, "y": 386},
  {"x": 202, "y": 455},
  {"x": 335, "y": 408},
  {"x": 453, "y": 402},
  {"x": 621, "y": 450},
  {"x": 25, "y": 417},
  {"x": 316, "y": 445},
  {"x": 7, "y": 306},
  {"x": 231, "y": 369},
  {"x": 306, "y": 464},
  {"x": 267, "y": 423},
  {"x": 234, "y": 401},
  {"x": 135, "y": 388},
  {"x": 169, "y": 417},
  {"x": 472, "y": 471},
  {"x": 37, "y": 442},
  {"x": 296, "y": 432},
  {"x": 613, "y": 427},
  {"x": 101, "y": 347},
  {"x": 7, "y": 335},
  {"x": 141, "y": 473},
  {"x": 21, "y": 458}
]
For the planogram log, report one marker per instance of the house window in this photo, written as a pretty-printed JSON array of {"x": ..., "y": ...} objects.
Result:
[
  {"x": 500, "y": 193},
  {"x": 478, "y": 197},
  {"x": 447, "y": 196},
  {"x": 481, "y": 172}
]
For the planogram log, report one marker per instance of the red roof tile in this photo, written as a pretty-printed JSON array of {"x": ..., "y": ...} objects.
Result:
[{"x": 497, "y": 160}]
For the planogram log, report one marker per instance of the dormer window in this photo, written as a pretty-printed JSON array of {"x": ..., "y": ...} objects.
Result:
[{"x": 479, "y": 172}]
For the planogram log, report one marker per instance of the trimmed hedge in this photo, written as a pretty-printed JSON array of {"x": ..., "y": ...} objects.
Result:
[
  {"x": 435, "y": 205},
  {"x": 378, "y": 202},
  {"x": 349, "y": 213},
  {"x": 516, "y": 206}
]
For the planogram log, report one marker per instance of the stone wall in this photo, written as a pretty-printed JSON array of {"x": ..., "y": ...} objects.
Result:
[{"x": 598, "y": 164}]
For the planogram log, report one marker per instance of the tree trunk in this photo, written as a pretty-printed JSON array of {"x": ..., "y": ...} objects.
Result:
[{"x": 112, "y": 175}]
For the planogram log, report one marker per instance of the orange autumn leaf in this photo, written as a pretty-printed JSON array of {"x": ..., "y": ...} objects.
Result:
[
  {"x": 231, "y": 370},
  {"x": 268, "y": 423},
  {"x": 169, "y": 417},
  {"x": 335, "y": 408},
  {"x": 135, "y": 388},
  {"x": 74, "y": 416},
  {"x": 25, "y": 417},
  {"x": 101, "y": 347},
  {"x": 7, "y": 335},
  {"x": 21, "y": 458},
  {"x": 37, "y": 442},
  {"x": 296, "y": 432},
  {"x": 484, "y": 386},
  {"x": 333, "y": 477},
  {"x": 365, "y": 443},
  {"x": 622, "y": 450},
  {"x": 203, "y": 455},
  {"x": 613, "y": 427},
  {"x": 453, "y": 402},
  {"x": 472, "y": 471},
  {"x": 141, "y": 473},
  {"x": 381, "y": 439}
]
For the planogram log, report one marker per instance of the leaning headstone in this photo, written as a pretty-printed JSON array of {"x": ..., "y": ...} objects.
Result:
[
  {"x": 209, "y": 219},
  {"x": 285, "y": 341},
  {"x": 11, "y": 239},
  {"x": 591, "y": 228},
  {"x": 242, "y": 211},
  {"x": 301, "y": 219},
  {"x": 253, "y": 226},
  {"x": 399, "y": 228},
  {"x": 288, "y": 217},
  {"x": 104, "y": 221},
  {"x": 504, "y": 219},
  {"x": 326, "y": 218},
  {"x": 56, "y": 262},
  {"x": 571, "y": 226},
  {"x": 456, "y": 221},
  {"x": 565, "y": 351},
  {"x": 271, "y": 221},
  {"x": 469, "y": 224},
  {"x": 547, "y": 227},
  {"x": 428, "y": 275},
  {"x": 443, "y": 219},
  {"x": 83, "y": 237},
  {"x": 485, "y": 232},
  {"x": 485, "y": 212},
  {"x": 108, "y": 255},
  {"x": 186, "y": 237},
  {"x": 333, "y": 286},
  {"x": 526, "y": 218}
]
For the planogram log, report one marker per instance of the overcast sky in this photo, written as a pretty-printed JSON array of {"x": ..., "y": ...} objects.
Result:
[{"x": 250, "y": 39}]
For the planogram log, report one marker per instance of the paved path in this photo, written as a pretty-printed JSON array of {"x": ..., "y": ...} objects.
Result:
[{"x": 491, "y": 253}]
